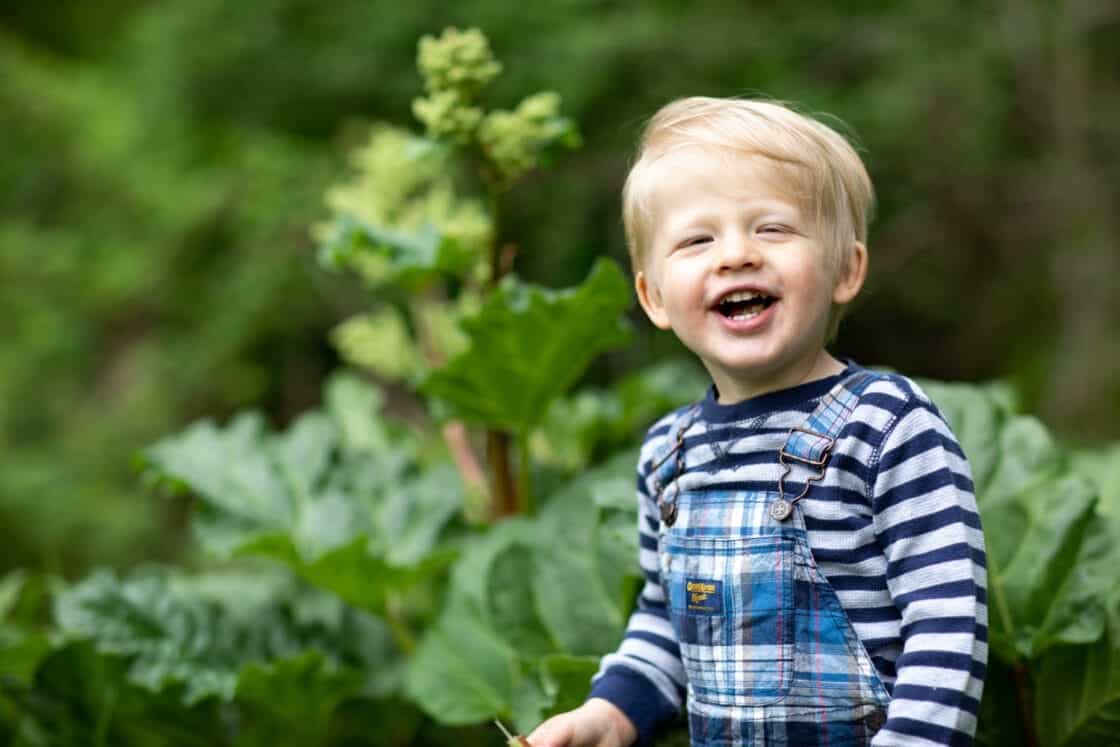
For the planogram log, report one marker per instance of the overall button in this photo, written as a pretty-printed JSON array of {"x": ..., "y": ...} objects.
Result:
[{"x": 780, "y": 509}]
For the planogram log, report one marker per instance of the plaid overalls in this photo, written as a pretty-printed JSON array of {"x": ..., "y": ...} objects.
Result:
[{"x": 770, "y": 655}]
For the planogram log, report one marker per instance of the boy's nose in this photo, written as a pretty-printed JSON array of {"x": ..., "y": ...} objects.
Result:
[{"x": 737, "y": 252}]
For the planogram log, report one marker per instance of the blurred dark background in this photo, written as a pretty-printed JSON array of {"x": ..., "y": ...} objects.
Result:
[{"x": 161, "y": 163}]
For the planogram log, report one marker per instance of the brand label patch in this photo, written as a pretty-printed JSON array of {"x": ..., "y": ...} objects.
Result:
[{"x": 704, "y": 596}]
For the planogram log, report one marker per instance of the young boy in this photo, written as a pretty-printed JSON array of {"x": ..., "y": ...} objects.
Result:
[{"x": 814, "y": 565}]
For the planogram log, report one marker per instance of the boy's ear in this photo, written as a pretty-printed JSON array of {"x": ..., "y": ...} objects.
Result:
[
  {"x": 649, "y": 296},
  {"x": 850, "y": 279}
]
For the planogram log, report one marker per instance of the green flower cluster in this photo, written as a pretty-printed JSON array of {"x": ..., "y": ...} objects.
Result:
[
  {"x": 402, "y": 183},
  {"x": 391, "y": 170},
  {"x": 403, "y": 220},
  {"x": 380, "y": 342},
  {"x": 457, "y": 60},
  {"x": 446, "y": 115},
  {"x": 455, "y": 67},
  {"x": 518, "y": 141}
]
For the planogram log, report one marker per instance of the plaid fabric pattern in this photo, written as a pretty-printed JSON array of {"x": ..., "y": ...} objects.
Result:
[
  {"x": 824, "y": 731},
  {"x": 744, "y": 655},
  {"x": 771, "y": 657},
  {"x": 828, "y": 419}
]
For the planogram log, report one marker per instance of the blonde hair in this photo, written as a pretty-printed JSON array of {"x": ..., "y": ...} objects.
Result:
[{"x": 822, "y": 169}]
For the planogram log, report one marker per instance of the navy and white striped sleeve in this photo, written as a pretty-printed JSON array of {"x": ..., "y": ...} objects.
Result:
[
  {"x": 928, "y": 526},
  {"x": 645, "y": 677}
]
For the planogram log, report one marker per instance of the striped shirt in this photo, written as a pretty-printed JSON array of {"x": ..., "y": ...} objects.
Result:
[{"x": 893, "y": 526}]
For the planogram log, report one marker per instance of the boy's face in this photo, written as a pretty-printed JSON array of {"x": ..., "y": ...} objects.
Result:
[{"x": 735, "y": 270}]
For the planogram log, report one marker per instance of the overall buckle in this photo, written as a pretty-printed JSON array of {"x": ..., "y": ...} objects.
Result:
[{"x": 781, "y": 509}]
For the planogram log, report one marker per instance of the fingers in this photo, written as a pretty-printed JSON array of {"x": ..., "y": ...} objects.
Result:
[{"x": 556, "y": 732}]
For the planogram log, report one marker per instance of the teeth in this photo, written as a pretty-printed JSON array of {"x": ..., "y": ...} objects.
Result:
[
  {"x": 745, "y": 314},
  {"x": 741, "y": 296},
  {"x": 740, "y": 305}
]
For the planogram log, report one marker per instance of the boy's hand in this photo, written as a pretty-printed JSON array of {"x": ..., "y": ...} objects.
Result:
[{"x": 596, "y": 723}]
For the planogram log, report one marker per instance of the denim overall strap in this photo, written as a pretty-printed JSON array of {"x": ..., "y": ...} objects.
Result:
[
  {"x": 811, "y": 443},
  {"x": 821, "y": 429},
  {"x": 668, "y": 463}
]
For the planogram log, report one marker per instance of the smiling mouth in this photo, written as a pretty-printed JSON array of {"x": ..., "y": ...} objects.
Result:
[{"x": 744, "y": 304}]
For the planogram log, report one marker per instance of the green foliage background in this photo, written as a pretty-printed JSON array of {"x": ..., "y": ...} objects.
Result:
[
  {"x": 161, "y": 164},
  {"x": 164, "y": 160}
]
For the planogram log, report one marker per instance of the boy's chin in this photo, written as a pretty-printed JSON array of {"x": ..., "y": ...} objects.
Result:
[{"x": 740, "y": 379}]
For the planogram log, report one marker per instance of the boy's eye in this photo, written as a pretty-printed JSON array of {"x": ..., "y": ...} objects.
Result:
[
  {"x": 696, "y": 240},
  {"x": 774, "y": 228}
]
